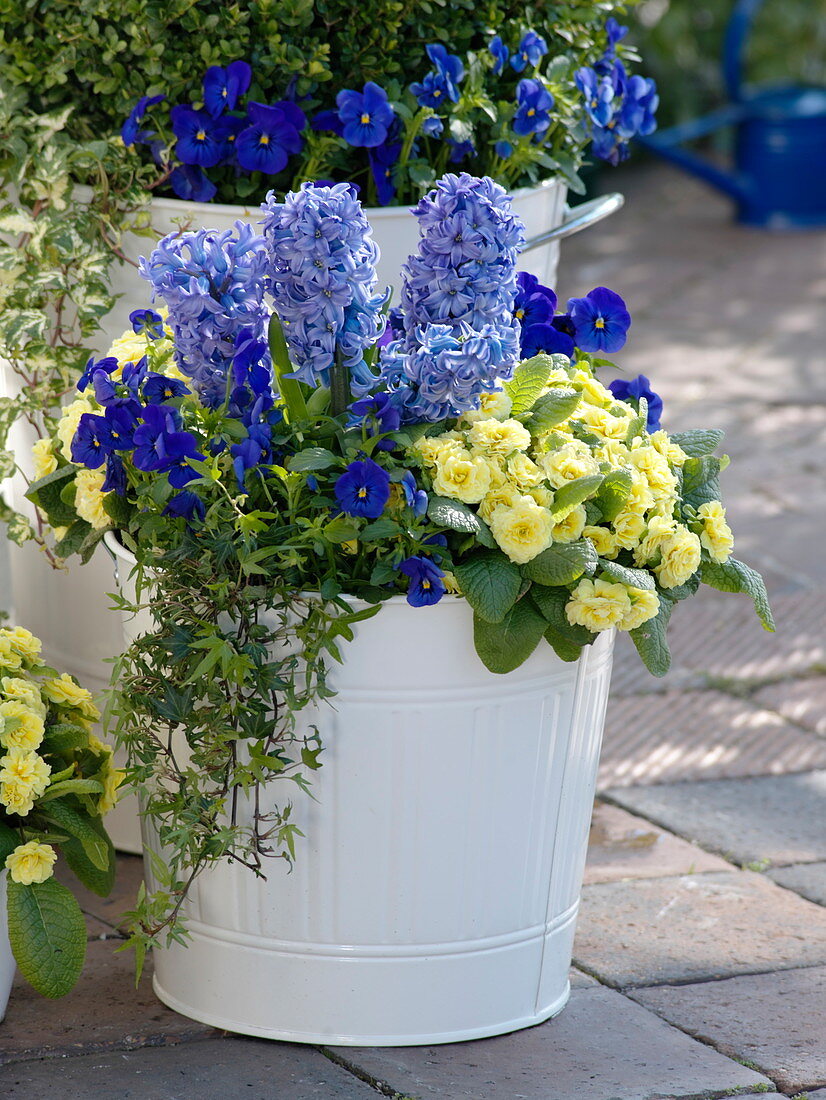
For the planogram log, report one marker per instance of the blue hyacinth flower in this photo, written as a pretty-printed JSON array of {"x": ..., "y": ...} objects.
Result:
[{"x": 363, "y": 489}]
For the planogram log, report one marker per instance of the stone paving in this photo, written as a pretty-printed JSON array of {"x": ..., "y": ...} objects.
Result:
[{"x": 700, "y": 959}]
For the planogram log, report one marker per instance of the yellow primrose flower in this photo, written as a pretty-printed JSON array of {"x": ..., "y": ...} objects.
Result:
[
  {"x": 593, "y": 390},
  {"x": 680, "y": 557},
  {"x": 491, "y": 405},
  {"x": 523, "y": 471},
  {"x": 23, "y": 728},
  {"x": 658, "y": 530},
  {"x": 614, "y": 452},
  {"x": 522, "y": 530},
  {"x": 24, "y": 691},
  {"x": 68, "y": 423},
  {"x": 628, "y": 528},
  {"x": 499, "y": 437},
  {"x": 500, "y": 496},
  {"x": 9, "y": 657},
  {"x": 462, "y": 477},
  {"x": 89, "y": 498},
  {"x": 542, "y": 495},
  {"x": 716, "y": 535},
  {"x": 602, "y": 423},
  {"x": 598, "y": 605},
  {"x": 572, "y": 461},
  {"x": 24, "y": 776},
  {"x": 605, "y": 541},
  {"x": 451, "y": 584},
  {"x": 31, "y": 862},
  {"x": 557, "y": 377},
  {"x": 671, "y": 451},
  {"x": 66, "y": 693},
  {"x": 644, "y": 606},
  {"x": 432, "y": 448},
  {"x": 112, "y": 777},
  {"x": 571, "y": 527},
  {"x": 23, "y": 642},
  {"x": 44, "y": 460}
]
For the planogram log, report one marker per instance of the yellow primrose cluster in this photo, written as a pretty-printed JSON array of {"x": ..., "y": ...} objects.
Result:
[
  {"x": 493, "y": 461},
  {"x": 128, "y": 348},
  {"x": 28, "y": 692}
]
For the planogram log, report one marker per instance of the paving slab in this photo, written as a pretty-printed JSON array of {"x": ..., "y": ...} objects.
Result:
[
  {"x": 776, "y": 1022},
  {"x": 103, "y": 1012},
  {"x": 806, "y": 879},
  {"x": 700, "y": 735},
  {"x": 715, "y": 637},
  {"x": 779, "y": 819},
  {"x": 105, "y": 914},
  {"x": 693, "y": 927},
  {"x": 622, "y": 846},
  {"x": 213, "y": 1069},
  {"x": 602, "y": 1047},
  {"x": 800, "y": 701}
]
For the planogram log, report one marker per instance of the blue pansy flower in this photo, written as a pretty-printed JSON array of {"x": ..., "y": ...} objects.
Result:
[
  {"x": 251, "y": 451},
  {"x": 157, "y": 388},
  {"x": 273, "y": 134},
  {"x": 443, "y": 83},
  {"x": 530, "y": 51},
  {"x": 201, "y": 138},
  {"x": 363, "y": 489},
  {"x": 600, "y": 319},
  {"x": 426, "y": 581},
  {"x": 327, "y": 120},
  {"x": 383, "y": 160},
  {"x": 534, "y": 303},
  {"x": 115, "y": 480},
  {"x": 366, "y": 116},
  {"x": 160, "y": 445},
  {"x": 108, "y": 364},
  {"x": 148, "y": 322},
  {"x": 633, "y": 390},
  {"x": 503, "y": 149},
  {"x": 92, "y": 441},
  {"x": 459, "y": 150},
  {"x": 130, "y": 131},
  {"x": 415, "y": 498},
  {"x": 121, "y": 423},
  {"x": 545, "y": 337},
  {"x": 501, "y": 54},
  {"x": 433, "y": 126},
  {"x": 534, "y": 103},
  {"x": 598, "y": 92},
  {"x": 380, "y": 411},
  {"x": 186, "y": 504},
  {"x": 191, "y": 183},
  {"x": 224, "y": 87},
  {"x": 132, "y": 376}
]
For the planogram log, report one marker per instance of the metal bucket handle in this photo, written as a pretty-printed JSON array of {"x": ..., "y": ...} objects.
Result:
[{"x": 577, "y": 219}]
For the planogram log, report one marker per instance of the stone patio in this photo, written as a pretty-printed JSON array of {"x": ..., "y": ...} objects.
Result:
[{"x": 701, "y": 947}]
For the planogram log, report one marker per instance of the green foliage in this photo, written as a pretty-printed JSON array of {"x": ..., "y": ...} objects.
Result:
[
  {"x": 651, "y": 642},
  {"x": 613, "y": 493},
  {"x": 505, "y": 645},
  {"x": 734, "y": 576},
  {"x": 47, "y": 934},
  {"x": 528, "y": 381},
  {"x": 561, "y": 563},
  {"x": 552, "y": 409},
  {"x": 699, "y": 441},
  {"x": 490, "y": 583}
]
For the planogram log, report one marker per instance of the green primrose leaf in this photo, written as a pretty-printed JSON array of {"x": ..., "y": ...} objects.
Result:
[
  {"x": 9, "y": 840},
  {"x": 573, "y": 493},
  {"x": 453, "y": 514},
  {"x": 699, "y": 441},
  {"x": 613, "y": 493},
  {"x": 47, "y": 933},
  {"x": 623, "y": 574},
  {"x": 529, "y": 379},
  {"x": 341, "y": 529},
  {"x": 651, "y": 642},
  {"x": 490, "y": 583},
  {"x": 736, "y": 576},
  {"x": 552, "y": 409},
  {"x": 551, "y": 603},
  {"x": 504, "y": 646},
  {"x": 561, "y": 563}
]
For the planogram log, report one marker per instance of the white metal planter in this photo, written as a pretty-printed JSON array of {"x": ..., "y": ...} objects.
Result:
[
  {"x": 543, "y": 210},
  {"x": 436, "y": 894},
  {"x": 7, "y": 963}
]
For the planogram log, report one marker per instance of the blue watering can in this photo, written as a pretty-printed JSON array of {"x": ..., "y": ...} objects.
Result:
[{"x": 779, "y": 175}]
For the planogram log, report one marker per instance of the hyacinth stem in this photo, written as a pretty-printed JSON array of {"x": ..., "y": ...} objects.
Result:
[
  {"x": 339, "y": 386},
  {"x": 289, "y": 388}
]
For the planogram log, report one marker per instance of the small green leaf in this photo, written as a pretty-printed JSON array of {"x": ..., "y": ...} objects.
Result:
[
  {"x": 490, "y": 584},
  {"x": 701, "y": 480},
  {"x": 736, "y": 576},
  {"x": 9, "y": 840},
  {"x": 552, "y": 409},
  {"x": 651, "y": 642},
  {"x": 699, "y": 441},
  {"x": 613, "y": 493},
  {"x": 47, "y": 934},
  {"x": 528, "y": 381},
  {"x": 312, "y": 458},
  {"x": 573, "y": 493},
  {"x": 93, "y": 878},
  {"x": 382, "y": 528},
  {"x": 79, "y": 825},
  {"x": 341, "y": 529},
  {"x": 561, "y": 563},
  {"x": 624, "y": 574},
  {"x": 504, "y": 646}
]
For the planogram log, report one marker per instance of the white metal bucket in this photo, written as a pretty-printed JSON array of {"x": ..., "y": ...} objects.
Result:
[
  {"x": 7, "y": 963},
  {"x": 395, "y": 230},
  {"x": 435, "y": 896}
]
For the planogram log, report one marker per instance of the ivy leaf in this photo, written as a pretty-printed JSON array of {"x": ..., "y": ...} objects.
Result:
[
  {"x": 735, "y": 576},
  {"x": 573, "y": 493},
  {"x": 699, "y": 441},
  {"x": 613, "y": 493},
  {"x": 312, "y": 458},
  {"x": 504, "y": 646},
  {"x": 528, "y": 381},
  {"x": 47, "y": 934},
  {"x": 490, "y": 584},
  {"x": 552, "y": 409},
  {"x": 561, "y": 563},
  {"x": 624, "y": 574},
  {"x": 651, "y": 642}
]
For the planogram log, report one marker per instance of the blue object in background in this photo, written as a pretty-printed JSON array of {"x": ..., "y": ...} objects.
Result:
[{"x": 778, "y": 179}]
